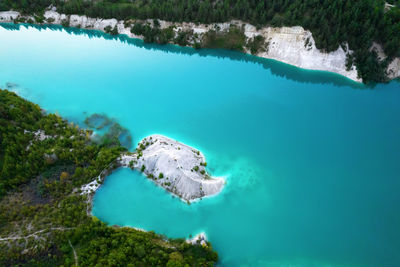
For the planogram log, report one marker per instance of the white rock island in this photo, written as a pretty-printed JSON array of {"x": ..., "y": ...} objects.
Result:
[{"x": 176, "y": 167}]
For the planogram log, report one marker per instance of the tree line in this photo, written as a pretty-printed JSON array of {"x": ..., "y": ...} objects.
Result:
[{"x": 332, "y": 22}]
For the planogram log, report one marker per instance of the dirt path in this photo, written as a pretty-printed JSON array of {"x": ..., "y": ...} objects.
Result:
[
  {"x": 75, "y": 256},
  {"x": 35, "y": 234}
]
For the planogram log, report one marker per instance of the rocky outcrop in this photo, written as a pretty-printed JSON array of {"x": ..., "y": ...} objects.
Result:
[
  {"x": 296, "y": 46},
  {"x": 176, "y": 167},
  {"x": 9, "y": 16},
  {"x": 393, "y": 70},
  {"x": 91, "y": 187},
  {"x": 200, "y": 239},
  {"x": 292, "y": 45}
]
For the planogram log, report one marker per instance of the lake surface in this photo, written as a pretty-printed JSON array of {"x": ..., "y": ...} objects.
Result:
[{"x": 311, "y": 159}]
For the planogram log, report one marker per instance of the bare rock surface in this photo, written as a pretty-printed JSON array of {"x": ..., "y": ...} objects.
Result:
[
  {"x": 393, "y": 70},
  {"x": 176, "y": 167},
  {"x": 200, "y": 239},
  {"x": 8, "y": 16}
]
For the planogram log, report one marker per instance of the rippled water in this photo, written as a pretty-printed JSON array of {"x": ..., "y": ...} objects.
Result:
[{"x": 312, "y": 160}]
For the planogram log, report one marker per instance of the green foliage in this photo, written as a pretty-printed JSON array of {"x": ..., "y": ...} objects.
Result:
[
  {"x": 142, "y": 146},
  {"x": 183, "y": 37},
  {"x": 256, "y": 44},
  {"x": 153, "y": 34},
  {"x": 65, "y": 23},
  {"x": 23, "y": 155},
  {"x": 123, "y": 246},
  {"x": 41, "y": 205},
  {"x": 113, "y": 31},
  {"x": 39, "y": 17},
  {"x": 233, "y": 39},
  {"x": 17, "y": 163},
  {"x": 25, "y": 6},
  {"x": 369, "y": 67}
]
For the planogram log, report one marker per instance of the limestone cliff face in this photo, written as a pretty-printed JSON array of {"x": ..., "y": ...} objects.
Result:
[
  {"x": 393, "y": 70},
  {"x": 292, "y": 45},
  {"x": 296, "y": 46},
  {"x": 177, "y": 167},
  {"x": 8, "y": 16}
]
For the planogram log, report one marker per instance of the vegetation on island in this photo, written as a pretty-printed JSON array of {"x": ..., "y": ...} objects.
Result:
[
  {"x": 44, "y": 221},
  {"x": 332, "y": 23}
]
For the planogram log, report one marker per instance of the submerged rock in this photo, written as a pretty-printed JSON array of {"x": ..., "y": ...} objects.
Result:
[{"x": 177, "y": 167}]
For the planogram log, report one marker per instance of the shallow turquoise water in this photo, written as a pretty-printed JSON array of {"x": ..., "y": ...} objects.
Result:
[{"x": 312, "y": 160}]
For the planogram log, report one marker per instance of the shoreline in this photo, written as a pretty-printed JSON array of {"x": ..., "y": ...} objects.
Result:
[
  {"x": 275, "y": 67},
  {"x": 195, "y": 239},
  {"x": 126, "y": 159},
  {"x": 160, "y": 159},
  {"x": 175, "y": 166},
  {"x": 90, "y": 189},
  {"x": 290, "y": 45}
]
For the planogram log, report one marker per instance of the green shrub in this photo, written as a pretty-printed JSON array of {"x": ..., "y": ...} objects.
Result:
[
  {"x": 256, "y": 44},
  {"x": 233, "y": 39},
  {"x": 113, "y": 31},
  {"x": 65, "y": 23}
]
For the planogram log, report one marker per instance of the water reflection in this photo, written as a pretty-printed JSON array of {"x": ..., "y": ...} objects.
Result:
[{"x": 277, "y": 68}]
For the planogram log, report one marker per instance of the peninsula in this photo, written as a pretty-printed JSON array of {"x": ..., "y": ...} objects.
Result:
[
  {"x": 44, "y": 162},
  {"x": 178, "y": 168}
]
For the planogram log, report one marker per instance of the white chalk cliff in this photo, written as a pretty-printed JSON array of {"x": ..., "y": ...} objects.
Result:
[
  {"x": 292, "y": 45},
  {"x": 296, "y": 46},
  {"x": 176, "y": 167}
]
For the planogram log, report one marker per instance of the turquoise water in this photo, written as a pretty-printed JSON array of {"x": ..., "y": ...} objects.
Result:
[{"x": 312, "y": 160}]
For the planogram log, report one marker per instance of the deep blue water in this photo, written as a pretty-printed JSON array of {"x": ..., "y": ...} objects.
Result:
[{"x": 312, "y": 159}]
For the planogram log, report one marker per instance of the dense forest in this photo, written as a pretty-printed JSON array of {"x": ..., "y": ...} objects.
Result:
[
  {"x": 44, "y": 160},
  {"x": 332, "y": 22}
]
